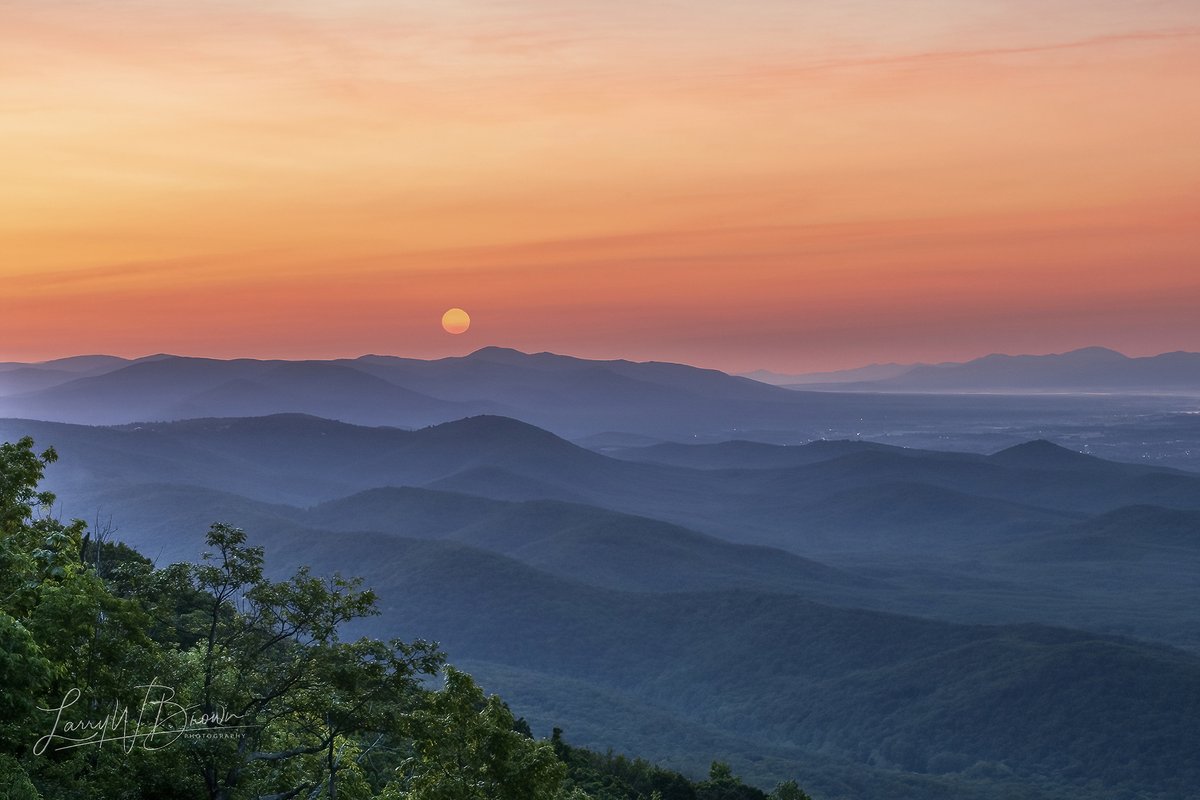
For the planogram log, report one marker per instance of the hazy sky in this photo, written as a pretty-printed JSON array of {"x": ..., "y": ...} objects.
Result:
[{"x": 767, "y": 183}]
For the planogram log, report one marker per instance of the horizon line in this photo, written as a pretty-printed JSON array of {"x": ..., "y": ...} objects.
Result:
[{"x": 531, "y": 353}]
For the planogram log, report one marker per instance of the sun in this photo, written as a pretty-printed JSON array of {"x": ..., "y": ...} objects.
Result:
[{"x": 456, "y": 321}]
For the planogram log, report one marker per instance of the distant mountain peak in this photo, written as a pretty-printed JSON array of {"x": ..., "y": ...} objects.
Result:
[
  {"x": 494, "y": 427},
  {"x": 1035, "y": 447},
  {"x": 512, "y": 356},
  {"x": 1044, "y": 453},
  {"x": 495, "y": 350},
  {"x": 1097, "y": 352},
  {"x": 487, "y": 421}
]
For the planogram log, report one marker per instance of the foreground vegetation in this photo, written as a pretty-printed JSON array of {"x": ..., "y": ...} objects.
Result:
[{"x": 122, "y": 680}]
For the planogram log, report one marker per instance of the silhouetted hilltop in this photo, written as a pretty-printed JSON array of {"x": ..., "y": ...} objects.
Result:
[
  {"x": 1043, "y": 454},
  {"x": 77, "y": 365}
]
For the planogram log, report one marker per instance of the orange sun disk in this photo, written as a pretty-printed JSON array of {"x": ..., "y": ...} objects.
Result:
[{"x": 456, "y": 321}]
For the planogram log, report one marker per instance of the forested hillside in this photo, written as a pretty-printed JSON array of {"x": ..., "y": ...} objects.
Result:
[{"x": 209, "y": 680}]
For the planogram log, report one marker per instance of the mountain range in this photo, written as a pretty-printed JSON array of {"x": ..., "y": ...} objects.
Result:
[
  {"x": 921, "y": 622},
  {"x": 1090, "y": 369},
  {"x": 605, "y": 405},
  {"x": 569, "y": 395}
]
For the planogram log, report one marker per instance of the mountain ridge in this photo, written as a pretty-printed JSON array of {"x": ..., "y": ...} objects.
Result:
[{"x": 1087, "y": 369}]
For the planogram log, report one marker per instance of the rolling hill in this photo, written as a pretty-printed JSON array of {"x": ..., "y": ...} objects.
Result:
[
  {"x": 870, "y": 692},
  {"x": 302, "y": 460},
  {"x": 912, "y": 707}
]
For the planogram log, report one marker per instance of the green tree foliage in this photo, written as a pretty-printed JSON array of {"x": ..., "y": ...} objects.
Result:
[
  {"x": 610, "y": 776},
  {"x": 64, "y": 635},
  {"x": 269, "y": 655},
  {"x": 466, "y": 748},
  {"x": 788, "y": 790},
  {"x": 722, "y": 784}
]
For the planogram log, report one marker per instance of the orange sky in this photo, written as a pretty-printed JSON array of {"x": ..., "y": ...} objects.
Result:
[{"x": 760, "y": 184}]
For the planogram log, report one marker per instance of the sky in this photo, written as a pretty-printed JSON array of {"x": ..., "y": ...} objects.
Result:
[{"x": 774, "y": 184}]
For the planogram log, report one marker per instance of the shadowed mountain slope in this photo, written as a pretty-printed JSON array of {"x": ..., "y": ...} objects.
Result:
[
  {"x": 860, "y": 687},
  {"x": 1129, "y": 534},
  {"x": 860, "y": 693}
]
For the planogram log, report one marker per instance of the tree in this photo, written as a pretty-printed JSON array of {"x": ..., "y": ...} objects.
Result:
[
  {"x": 268, "y": 656},
  {"x": 722, "y": 784},
  {"x": 465, "y": 748},
  {"x": 788, "y": 790},
  {"x": 63, "y": 634}
]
